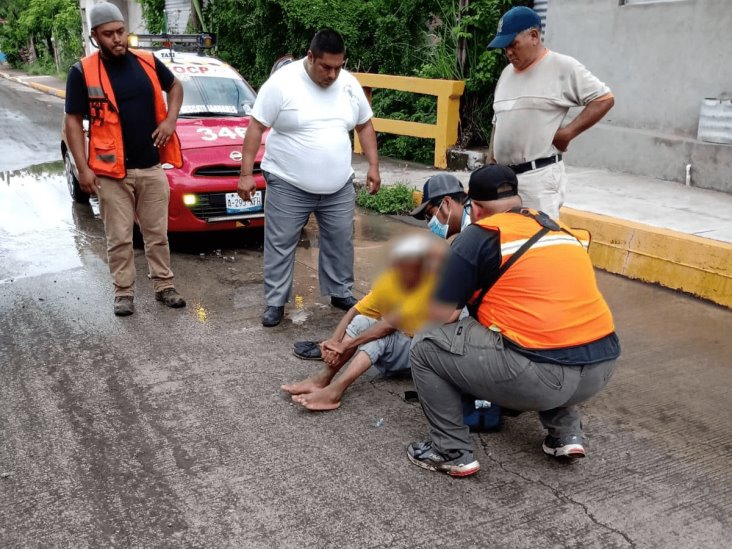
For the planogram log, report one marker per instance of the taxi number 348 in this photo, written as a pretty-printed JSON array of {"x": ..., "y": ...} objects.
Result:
[{"x": 208, "y": 134}]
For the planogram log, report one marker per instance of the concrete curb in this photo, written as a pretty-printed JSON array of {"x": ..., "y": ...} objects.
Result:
[
  {"x": 35, "y": 85},
  {"x": 698, "y": 266}
]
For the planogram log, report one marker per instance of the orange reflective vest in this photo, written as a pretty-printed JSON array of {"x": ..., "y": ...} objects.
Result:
[
  {"x": 106, "y": 148},
  {"x": 549, "y": 298}
]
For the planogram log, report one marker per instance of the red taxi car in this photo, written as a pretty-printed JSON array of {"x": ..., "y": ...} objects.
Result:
[{"x": 211, "y": 126}]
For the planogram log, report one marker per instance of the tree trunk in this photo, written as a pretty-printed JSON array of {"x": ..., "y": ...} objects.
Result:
[
  {"x": 461, "y": 55},
  {"x": 49, "y": 45},
  {"x": 33, "y": 50}
]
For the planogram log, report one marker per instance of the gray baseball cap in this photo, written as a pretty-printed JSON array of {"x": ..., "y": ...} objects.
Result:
[
  {"x": 104, "y": 12},
  {"x": 436, "y": 186}
]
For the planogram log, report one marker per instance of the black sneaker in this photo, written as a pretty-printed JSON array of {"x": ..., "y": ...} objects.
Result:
[
  {"x": 272, "y": 316},
  {"x": 569, "y": 447},
  {"x": 455, "y": 464},
  {"x": 343, "y": 303},
  {"x": 124, "y": 305},
  {"x": 170, "y": 298}
]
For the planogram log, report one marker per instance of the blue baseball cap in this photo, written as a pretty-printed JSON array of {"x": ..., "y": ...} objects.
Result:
[{"x": 514, "y": 21}]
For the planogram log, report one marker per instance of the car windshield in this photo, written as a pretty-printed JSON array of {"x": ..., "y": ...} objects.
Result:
[{"x": 216, "y": 96}]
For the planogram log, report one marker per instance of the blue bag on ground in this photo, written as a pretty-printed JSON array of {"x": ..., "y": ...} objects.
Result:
[{"x": 480, "y": 415}]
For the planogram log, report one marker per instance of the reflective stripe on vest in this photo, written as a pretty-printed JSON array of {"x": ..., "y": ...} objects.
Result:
[
  {"x": 106, "y": 146},
  {"x": 549, "y": 298}
]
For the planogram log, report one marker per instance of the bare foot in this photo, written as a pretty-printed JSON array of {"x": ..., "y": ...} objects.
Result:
[
  {"x": 321, "y": 400},
  {"x": 305, "y": 386}
]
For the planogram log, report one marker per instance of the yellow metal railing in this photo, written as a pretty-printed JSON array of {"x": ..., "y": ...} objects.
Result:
[{"x": 448, "y": 93}]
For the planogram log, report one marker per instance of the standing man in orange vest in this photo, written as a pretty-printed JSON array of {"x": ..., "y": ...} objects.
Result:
[
  {"x": 540, "y": 336},
  {"x": 131, "y": 132}
]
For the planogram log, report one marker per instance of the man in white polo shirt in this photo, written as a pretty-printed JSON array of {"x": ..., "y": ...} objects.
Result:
[
  {"x": 531, "y": 101},
  {"x": 311, "y": 105}
]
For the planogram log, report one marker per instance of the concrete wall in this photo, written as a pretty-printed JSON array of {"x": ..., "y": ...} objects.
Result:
[{"x": 660, "y": 59}]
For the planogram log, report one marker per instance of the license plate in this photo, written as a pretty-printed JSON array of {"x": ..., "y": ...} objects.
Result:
[{"x": 236, "y": 205}]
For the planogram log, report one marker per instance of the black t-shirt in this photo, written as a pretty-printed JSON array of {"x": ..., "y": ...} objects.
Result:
[
  {"x": 474, "y": 260},
  {"x": 134, "y": 94}
]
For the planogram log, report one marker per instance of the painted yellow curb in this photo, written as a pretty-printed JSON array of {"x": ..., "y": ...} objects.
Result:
[
  {"x": 47, "y": 89},
  {"x": 699, "y": 266}
]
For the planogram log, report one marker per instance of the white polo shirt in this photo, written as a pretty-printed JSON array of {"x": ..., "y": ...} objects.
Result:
[
  {"x": 309, "y": 145},
  {"x": 530, "y": 105}
]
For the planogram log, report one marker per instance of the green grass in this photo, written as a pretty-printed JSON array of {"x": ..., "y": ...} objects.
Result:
[
  {"x": 393, "y": 199},
  {"x": 41, "y": 68}
]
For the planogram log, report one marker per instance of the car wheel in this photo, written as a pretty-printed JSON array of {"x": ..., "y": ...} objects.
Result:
[{"x": 74, "y": 188}]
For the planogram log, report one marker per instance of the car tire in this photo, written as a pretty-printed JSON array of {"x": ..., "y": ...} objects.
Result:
[{"x": 75, "y": 189}]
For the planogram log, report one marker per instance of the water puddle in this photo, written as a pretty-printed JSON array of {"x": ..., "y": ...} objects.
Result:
[{"x": 41, "y": 229}]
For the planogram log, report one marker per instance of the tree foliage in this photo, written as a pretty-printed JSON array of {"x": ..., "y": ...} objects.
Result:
[
  {"x": 428, "y": 38},
  {"x": 48, "y": 30}
]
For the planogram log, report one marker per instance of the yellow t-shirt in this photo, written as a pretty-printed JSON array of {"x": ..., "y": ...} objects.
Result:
[{"x": 388, "y": 297}]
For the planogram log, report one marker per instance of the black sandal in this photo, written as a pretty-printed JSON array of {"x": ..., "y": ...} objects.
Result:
[{"x": 307, "y": 350}]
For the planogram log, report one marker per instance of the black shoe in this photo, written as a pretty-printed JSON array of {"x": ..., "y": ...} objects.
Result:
[
  {"x": 124, "y": 305},
  {"x": 456, "y": 464},
  {"x": 307, "y": 350},
  {"x": 566, "y": 447},
  {"x": 344, "y": 303},
  {"x": 272, "y": 316},
  {"x": 170, "y": 298}
]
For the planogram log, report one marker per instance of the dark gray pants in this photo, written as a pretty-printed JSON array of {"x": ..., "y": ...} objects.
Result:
[
  {"x": 465, "y": 357},
  {"x": 286, "y": 211}
]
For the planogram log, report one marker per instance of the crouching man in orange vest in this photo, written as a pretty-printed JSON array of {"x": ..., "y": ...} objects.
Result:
[
  {"x": 540, "y": 336},
  {"x": 131, "y": 131}
]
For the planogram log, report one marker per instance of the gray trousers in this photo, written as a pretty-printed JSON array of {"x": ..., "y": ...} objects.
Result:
[
  {"x": 390, "y": 354},
  {"x": 286, "y": 211},
  {"x": 466, "y": 358}
]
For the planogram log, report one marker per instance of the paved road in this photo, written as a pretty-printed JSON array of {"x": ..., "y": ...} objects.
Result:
[{"x": 166, "y": 429}]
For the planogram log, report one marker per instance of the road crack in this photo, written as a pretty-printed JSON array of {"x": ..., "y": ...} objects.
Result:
[{"x": 559, "y": 494}]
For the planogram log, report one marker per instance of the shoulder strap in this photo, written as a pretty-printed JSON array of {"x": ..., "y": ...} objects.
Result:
[
  {"x": 547, "y": 224},
  {"x": 475, "y": 303}
]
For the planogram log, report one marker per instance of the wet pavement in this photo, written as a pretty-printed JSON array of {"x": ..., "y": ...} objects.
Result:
[{"x": 167, "y": 428}]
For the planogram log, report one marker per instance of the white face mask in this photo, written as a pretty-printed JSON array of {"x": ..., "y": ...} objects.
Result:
[{"x": 436, "y": 226}]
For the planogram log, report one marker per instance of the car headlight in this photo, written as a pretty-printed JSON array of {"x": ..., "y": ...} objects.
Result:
[{"x": 190, "y": 199}]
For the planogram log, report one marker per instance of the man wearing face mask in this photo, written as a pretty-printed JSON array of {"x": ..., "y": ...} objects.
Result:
[{"x": 444, "y": 204}]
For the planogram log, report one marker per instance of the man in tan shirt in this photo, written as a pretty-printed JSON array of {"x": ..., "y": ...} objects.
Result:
[{"x": 531, "y": 102}]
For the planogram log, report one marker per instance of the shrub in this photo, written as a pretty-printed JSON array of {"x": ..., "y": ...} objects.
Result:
[{"x": 393, "y": 199}]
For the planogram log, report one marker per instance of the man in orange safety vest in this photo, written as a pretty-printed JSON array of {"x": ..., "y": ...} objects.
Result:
[
  {"x": 131, "y": 132},
  {"x": 540, "y": 336}
]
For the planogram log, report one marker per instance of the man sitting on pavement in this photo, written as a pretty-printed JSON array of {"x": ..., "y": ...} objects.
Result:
[
  {"x": 540, "y": 336},
  {"x": 444, "y": 205},
  {"x": 377, "y": 331}
]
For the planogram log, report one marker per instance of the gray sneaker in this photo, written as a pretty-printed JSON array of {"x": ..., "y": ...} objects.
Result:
[
  {"x": 170, "y": 298},
  {"x": 569, "y": 447},
  {"x": 124, "y": 305},
  {"x": 455, "y": 464}
]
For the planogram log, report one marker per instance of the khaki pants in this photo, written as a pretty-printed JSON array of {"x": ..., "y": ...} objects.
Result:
[
  {"x": 143, "y": 194},
  {"x": 544, "y": 189}
]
